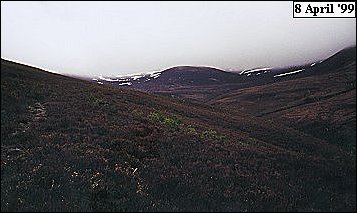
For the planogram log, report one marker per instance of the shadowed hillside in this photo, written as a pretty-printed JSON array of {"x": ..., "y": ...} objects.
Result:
[{"x": 73, "y": 145}]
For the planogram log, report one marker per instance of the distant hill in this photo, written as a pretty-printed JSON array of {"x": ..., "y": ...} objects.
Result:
[
  {"x": 195, "y": 76},
  {"x": 75, "y": 145},
  {"x": 172, "y": 77},
  {"x": 206, "y": 83},
  {"x": 341, "y": 60}
]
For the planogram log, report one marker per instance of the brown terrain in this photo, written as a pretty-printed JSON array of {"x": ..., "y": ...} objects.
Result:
[{"x": 277, "y": 145}]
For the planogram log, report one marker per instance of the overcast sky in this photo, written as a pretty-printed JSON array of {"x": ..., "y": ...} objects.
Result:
[{"x": 91, "y": 38}]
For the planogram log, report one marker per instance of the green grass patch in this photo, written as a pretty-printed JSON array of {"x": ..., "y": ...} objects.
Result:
[
  {"x": 171, "y": 122},
  {"x": 211, "y": 134}
]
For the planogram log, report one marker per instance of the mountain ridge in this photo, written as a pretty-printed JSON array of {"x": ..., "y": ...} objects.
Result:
[{"x": 209, "y": 74}]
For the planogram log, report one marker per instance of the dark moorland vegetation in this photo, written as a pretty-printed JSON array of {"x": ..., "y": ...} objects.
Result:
[
  {"x": 320, "y": 100},
  {"x": 73, "y": 145},
  {"x": 321, "y": 103}
]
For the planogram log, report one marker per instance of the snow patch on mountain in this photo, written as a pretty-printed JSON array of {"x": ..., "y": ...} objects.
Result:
[
  {"x": 129, "y": 79},
  {"x": 288, "y": 73},
  {"x": 257, "y": 70}
]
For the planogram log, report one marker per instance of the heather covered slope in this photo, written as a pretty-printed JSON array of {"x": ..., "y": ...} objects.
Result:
[
  {"x": 322, "y": 104},
  {"x": 72, "y": 145}
]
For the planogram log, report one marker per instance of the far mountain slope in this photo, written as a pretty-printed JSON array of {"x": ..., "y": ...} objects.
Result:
[
  {"x": 206, "y": 83},
  {"x": 322, "y": 104}
]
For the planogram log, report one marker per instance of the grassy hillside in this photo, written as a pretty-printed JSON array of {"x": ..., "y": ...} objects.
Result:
[{"x": 72, "y": 145}]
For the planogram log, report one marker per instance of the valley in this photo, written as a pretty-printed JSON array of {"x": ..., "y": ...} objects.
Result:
[{"x": 182, "y": 142}]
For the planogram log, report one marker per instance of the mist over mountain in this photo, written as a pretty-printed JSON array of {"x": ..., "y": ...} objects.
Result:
[
  {"x": 93, "y": 38},
  {"x": 176, "y": 107}
]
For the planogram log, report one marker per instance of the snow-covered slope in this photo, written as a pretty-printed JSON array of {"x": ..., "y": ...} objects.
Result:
[{"x": 128, "y": 80}]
